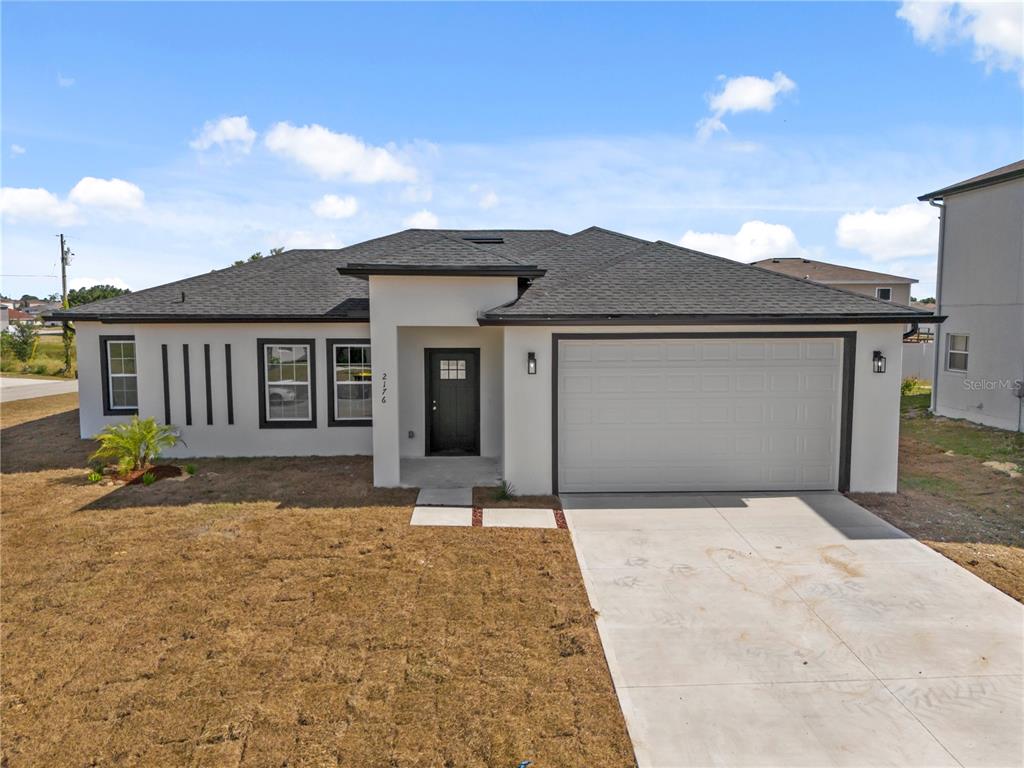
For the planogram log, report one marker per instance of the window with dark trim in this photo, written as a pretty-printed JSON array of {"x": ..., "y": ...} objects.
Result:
[
  {"x": 885, "y": 294},
  {"x": 956, "y": 352},
  {"x": 287, "y": 371},
  {"x": 120, "y": 375},
  {"x": 349, "y": 383}
]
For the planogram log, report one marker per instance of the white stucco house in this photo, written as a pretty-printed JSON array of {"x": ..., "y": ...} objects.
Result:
[
  {"x": 586, "y": 362},
  {"x": 979, "y": 368}
]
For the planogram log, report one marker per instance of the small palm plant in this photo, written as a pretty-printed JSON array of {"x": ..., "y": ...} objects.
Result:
[{"x": 135, "y": 445}]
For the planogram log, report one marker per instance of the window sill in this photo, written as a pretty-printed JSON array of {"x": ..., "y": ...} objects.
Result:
[
  {"x": 287, "y": 424},
  {"x": 107, "y": 411},
  {"x": 350, "y": 422}
]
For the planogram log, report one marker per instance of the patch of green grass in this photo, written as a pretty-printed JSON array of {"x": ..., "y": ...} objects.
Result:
[
  {"x": 940, "y": 486},
  {"x": 966, "y": 439},
  {"x": 919, "y": 401}
]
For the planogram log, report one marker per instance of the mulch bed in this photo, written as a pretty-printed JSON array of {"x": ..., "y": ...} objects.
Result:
[{"x": 159, "y": 471}]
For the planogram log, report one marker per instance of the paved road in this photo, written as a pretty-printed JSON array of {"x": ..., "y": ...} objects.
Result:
[
  {"x": 796, "y": 631},
  {"x": 14, "y": 388}
]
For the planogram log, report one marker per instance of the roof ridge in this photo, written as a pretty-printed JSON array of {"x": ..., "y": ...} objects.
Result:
[{"x": 799, "y": 280}]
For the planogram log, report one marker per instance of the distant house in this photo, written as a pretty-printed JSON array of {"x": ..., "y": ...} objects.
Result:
[
  {"x": 15, "y": 316},
  {"x": 876, "y": 284},
  {"x": 980, "y": 366}
]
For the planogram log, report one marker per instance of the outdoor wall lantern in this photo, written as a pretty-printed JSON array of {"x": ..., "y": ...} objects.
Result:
[
  {"x": 531, "y": 363},
  {"x": 878, "y": 362}
]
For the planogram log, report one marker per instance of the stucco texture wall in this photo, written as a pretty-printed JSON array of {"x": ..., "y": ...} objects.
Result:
[
  {"x": 528, "y": 401},
  {"x": 982, "y": 293},
  {"x": 244, "y": 437}
]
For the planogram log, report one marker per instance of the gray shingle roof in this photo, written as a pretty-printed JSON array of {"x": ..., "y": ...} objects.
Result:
[
  {"x": 654, "y": 279},
  {"x": 594, "y": 273}
]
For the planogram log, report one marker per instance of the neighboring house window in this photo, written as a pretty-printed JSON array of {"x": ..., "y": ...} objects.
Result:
[
  {"x": 120, "y": 375},
  {"x": 287, "y": 369},
  {"x": 349, "y": 383},
  {"x": 956, "y": 352},
  {"x": 885, "y": 294}
]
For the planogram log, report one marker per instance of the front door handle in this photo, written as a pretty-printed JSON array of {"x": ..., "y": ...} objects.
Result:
[{"x": 435, "y": 404}]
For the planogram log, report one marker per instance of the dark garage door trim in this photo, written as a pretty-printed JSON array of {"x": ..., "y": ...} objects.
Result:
[{"x": 849, "y": 339}]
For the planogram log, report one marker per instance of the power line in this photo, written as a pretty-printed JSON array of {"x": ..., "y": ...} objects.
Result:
[{"x": 28, "y": 275}]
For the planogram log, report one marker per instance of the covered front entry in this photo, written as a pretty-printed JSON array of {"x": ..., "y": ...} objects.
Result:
[
  {"x": 452, "y": 407},
  {"x": 701, "y": 412}
]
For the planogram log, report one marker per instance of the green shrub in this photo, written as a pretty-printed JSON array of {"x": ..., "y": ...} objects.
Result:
[
  {"x": 191, "y": 468},
  {"x": 148, "y": 479},
  {"x": 505, "y": 492},
  {"x": 910, "y": 385},
  {"x": 22, "y": 342},
  {"x": 95, "y": 477},
  {"x": 135, "y": 445}
]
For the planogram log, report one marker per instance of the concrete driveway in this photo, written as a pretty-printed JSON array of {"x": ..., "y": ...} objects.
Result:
[
  {"x": 796, "y": 630},
  {"x": 14, "y": 388}
]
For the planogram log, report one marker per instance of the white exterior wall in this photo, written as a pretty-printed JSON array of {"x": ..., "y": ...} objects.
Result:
[
  {"x": 406, "y": 301},
  {"x": 982, "y": 293},
  {"x": 244, "y": 437},
  {"x": 528, "y": 400}
]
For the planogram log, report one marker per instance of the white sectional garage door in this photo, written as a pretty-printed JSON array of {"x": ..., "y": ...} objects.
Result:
[{"x": 690, "y": 414}]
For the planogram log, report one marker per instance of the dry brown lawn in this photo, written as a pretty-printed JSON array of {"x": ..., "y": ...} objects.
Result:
[
  {"x": 972, "y": 514},
  {"x": 277, "y": 612}
]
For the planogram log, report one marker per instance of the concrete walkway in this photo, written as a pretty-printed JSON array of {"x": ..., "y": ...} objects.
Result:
[
  {"x": 15, "y": 388},
  {"x": 796, "y": 631}
]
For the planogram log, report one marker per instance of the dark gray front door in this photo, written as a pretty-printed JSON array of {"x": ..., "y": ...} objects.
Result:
[{"x": 453, "y": 402}]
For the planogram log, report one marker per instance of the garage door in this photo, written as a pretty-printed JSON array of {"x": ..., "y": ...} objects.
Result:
[{"x": 698, "y": 414}]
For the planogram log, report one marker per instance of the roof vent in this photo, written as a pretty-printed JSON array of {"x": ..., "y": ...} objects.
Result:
[
  {"x": 483, "y": 240},
  {"x": 775, "y": 261}
]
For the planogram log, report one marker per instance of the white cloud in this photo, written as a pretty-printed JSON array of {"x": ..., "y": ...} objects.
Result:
[
  {"x": 754, "y": 240},
  {"x": 17, "y": 149},
  {"x": 337, "y": 155},
  {"x": 488, "y": 200},
  {"x": 303, "y": 239},
  {"x": 78, "y": 283},
  {"x": 334, "y": 207},
  {"x": 743, "y": 94},
  {"x": 227, "y": 132},
  {"x": 417, "y": 194},
  {"x": 107, "y": 193},
  {"x": 64, "y": 82},
  {"x": 421, "y": 220},
  {"x": 23, "y": 203},
  {"x": 908, "y": 230},
  {"x": 994, "y": 29}
]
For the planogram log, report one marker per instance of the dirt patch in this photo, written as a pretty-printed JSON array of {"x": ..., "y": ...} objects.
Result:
[
  {"x": 487, "y": 496},
  {"x": 968, "y": 512},
  {"x": 280, "y": 612}
]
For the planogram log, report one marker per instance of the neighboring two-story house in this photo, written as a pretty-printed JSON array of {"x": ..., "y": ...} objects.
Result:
[
  {"x": 878, "y": 285},
  {"x": 980, "y": 366}
]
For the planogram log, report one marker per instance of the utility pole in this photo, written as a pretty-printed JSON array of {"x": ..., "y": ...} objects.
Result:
[{"x": 65, "y": 259}]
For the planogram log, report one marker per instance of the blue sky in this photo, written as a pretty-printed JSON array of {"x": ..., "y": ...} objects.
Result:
[{"x": 169, "y": 139}]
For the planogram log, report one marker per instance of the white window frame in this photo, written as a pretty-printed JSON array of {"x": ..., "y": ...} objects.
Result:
[
  {"x": 334, "y": 381},
  {"x": 111, "y": 376},
  {"x": 878, "y": 294},
  {"x": 965, "y": 352},
  {"x": 267, "y": 347}
]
